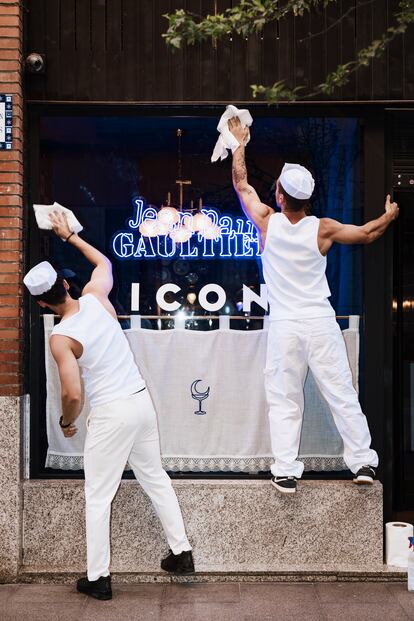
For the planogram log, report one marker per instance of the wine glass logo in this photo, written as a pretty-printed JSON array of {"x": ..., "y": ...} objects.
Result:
[{"x": 199, "y": 396}]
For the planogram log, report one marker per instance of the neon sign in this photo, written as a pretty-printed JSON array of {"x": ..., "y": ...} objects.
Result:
[{"x": 238, "y": 238}]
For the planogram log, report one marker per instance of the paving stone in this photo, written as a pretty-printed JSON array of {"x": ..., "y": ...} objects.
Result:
[
  {"x": 274, "y": 602},
  {"x": 404, "y": 597},
  {"x": 349, "y": 592},
  {"x": 201, "y": 593},
  {"x": 41, "y": 611},
  {"x": 121, "y": 609},
  {"x": 364, "y": 612},
  {"x": 203, "y": 612}
]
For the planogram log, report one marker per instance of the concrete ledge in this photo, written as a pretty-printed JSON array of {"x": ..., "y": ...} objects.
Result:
[{"x": 236, "y": 527}]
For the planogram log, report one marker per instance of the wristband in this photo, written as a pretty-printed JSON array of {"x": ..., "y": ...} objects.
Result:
[
  {"x": 69, "y": 236},
  {"x": 61, "y": 423}
]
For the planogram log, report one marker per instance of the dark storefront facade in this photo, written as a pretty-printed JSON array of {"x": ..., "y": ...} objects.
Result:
[
  {"x": 110, "y": 101},
  {"x": 114, "y": 118}
]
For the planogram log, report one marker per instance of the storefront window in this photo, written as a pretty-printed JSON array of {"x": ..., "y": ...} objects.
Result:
[{"x": 112, "y": 170}]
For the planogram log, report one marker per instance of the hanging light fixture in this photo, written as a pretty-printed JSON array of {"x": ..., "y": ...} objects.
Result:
[
  {"x": 201, "y": 222},
  {"x": 168, "y": 216},
  {"x": 162, "y": 229},
  {"x": 178, "y": 224},
  {"x": 212, "y": 232},
  {"x": 149, "y": 228},
  {"x": 180, "y": 234}
]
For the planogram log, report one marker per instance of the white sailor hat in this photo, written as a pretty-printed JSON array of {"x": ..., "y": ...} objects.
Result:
[
  {"x": 40, "y": 278},
  {"x": 297, "y": 181}
]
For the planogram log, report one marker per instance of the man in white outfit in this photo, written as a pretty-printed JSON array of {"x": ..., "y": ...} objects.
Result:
[
  {"x": 303, "y": 329},
  {"x": 122, "y": 424}
]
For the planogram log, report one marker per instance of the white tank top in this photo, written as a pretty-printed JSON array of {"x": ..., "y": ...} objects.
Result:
[
  {"x": 108, "y": 368},
  {"x": 294, "y": 269}
]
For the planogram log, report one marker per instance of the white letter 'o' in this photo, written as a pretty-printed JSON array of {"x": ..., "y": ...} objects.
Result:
[{"x": 212, "y": 306}]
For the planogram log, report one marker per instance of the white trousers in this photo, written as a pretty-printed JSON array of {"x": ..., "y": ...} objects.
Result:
[
  {"x": 292, "y": 347},
  {"x": 117, "y": 432}
]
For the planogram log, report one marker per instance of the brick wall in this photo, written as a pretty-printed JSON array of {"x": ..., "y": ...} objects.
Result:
[{"x": 11, "y": 205}]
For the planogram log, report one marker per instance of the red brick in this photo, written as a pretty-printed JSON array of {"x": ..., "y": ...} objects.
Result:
[
  {"x": 10, "y": 233},
  {"x": 10, "y": 188},
  {"x": 14, "y": 289},
  {"x": 12, "y": 166},
  {"x": 11, "y": 356},
  {"x": 8, "y": 177},
  {"x": 10, "y": 20},
  {"x": 6, "y": 223},
  {"x": 10, "y": 322},
  {"x": 11, "y": 211},
  {"x": 15, "y": 200},
  {"x": 10, "y": 244},
  {"x": 9, "y": 10},
  {"x": 10, "y": 31},
  {"x": 9, "y": 76},
  {"x": 9, "y": 267},
  {"x": 12, "y": 88},
  {"x": 14, "y": 155},
  {"x": 12, "y": 369},
  {"x": 11, "y": 55},
  {"x": 10, "y": 279},
  {"x": 11, "y": 204},
  {"x": 10, "y": 255},
  {"x": 10, "y": 43},
  {"x": 11, "y": 378},
  {"x": 10, "y": 333},
  {"x": 11, "y": 301},
  {"x": 14, "y": 390},
  {"x": 9, "y": 65}
]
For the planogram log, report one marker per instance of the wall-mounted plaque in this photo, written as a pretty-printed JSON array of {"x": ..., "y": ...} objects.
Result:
[{"x": 6, "y": 117}]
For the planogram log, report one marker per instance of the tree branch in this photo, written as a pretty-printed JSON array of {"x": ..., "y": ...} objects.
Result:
[
  {"x": 250, "y": 16},
  {"x": 246, "y": 17},
  {"x": 312, "y": 35}
]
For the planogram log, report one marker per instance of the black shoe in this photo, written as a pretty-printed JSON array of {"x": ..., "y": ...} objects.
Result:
[
  {"x": 286, "y": 485},
  {"x": 178, "y": 563},
  {"x": 365, "y": 476},
  {"x": 99, "y": 589}
]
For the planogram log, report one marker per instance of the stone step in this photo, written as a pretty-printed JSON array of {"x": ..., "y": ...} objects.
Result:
[{"x": 235, "y": 527}]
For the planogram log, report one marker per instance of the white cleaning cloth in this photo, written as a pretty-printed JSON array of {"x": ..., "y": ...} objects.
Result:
[
  {"x": 42, "y": 217},
  {"x": 226, "y": 139}
]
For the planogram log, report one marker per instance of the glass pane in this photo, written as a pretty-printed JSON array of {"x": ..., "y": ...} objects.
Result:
[{"x": 109, "y": 170}]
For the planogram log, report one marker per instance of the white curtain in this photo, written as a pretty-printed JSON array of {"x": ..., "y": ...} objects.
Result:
[{"x": 233, "y": 433}]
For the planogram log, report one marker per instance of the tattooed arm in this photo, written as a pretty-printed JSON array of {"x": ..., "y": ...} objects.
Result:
[{"x": 254, "y": 209}]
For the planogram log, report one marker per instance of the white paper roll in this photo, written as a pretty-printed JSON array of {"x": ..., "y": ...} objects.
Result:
[{"x": 396, "y": 543}]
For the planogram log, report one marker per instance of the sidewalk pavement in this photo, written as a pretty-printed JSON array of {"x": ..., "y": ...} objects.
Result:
[{"x": 323, "y": 601}]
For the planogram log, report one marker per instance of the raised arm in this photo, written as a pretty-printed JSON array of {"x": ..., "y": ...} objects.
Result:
[
  {"x": 331, "y": 231},
  {"x": 101, "y": 281},
  {"x": 71, "y": 392},
  {"x": 252, "y": 206}
]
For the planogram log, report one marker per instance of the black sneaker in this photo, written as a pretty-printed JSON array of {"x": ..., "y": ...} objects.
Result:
[
  {"x": 99, "y": 589},
  {"x": 286, "y": 485},
  {"x": 178, "y": 563},
  {"x": 365, "y": 476}
]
